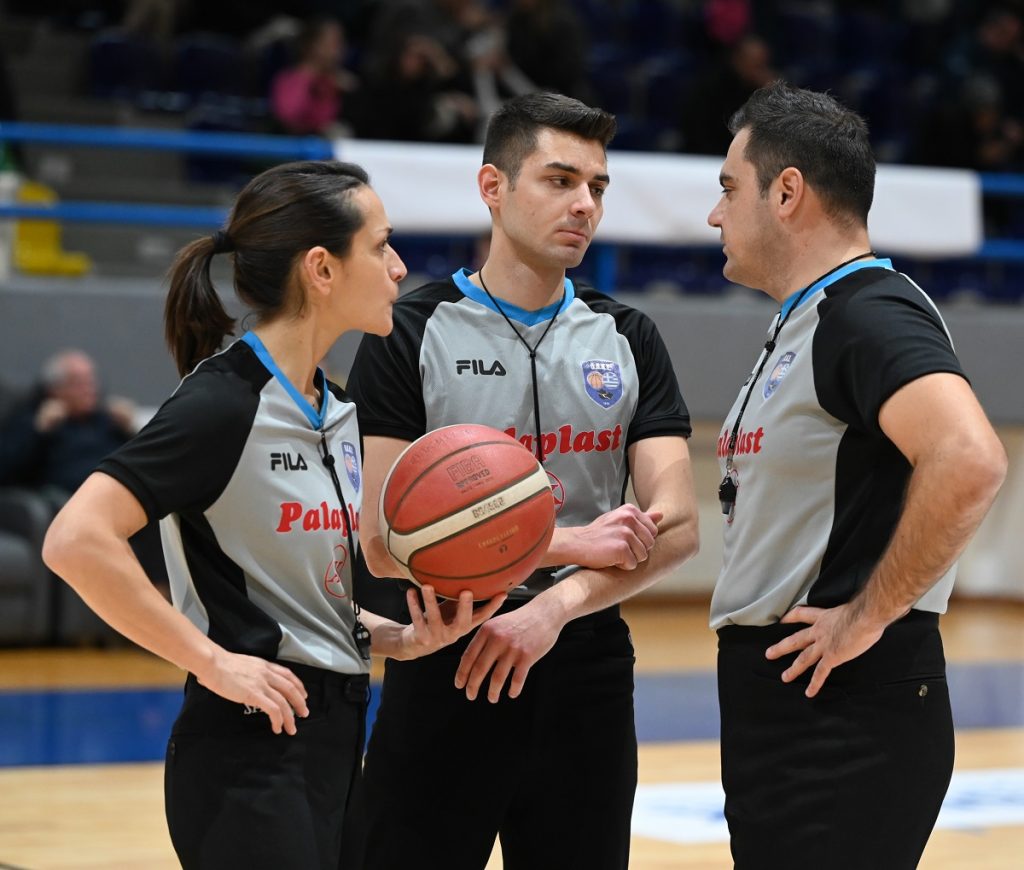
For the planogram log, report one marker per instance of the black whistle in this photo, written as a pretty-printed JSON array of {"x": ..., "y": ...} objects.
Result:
[
  {"x": 727, "y": 495},
  {"x": 361, "y": 635}
]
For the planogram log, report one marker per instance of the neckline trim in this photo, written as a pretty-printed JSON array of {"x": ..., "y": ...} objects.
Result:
[
  {"x": 316, "y": 419},
  {"x": 520, "y": 315},
  {"x": 792, "y": 300}
]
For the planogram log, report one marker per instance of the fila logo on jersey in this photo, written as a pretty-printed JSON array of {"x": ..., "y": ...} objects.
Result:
[
  {"x": 479, "y": 367},
  {"x": 287, "y": 462}
]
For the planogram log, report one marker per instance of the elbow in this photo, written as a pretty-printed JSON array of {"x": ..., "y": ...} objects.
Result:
[
  {"x": 981, "y": 466},
  {"x": 378, "y": 561},
  {"x": 988, "y": 466},
  {"x": 58, "y": 546}
]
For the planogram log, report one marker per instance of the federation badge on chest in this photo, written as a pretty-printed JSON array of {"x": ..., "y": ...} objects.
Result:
[
  {"x": 602, "y": 380},
  {"x": 348, "y": 452}
]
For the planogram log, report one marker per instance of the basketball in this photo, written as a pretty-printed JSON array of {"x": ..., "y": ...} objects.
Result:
[{"x": 467, "y": 507}]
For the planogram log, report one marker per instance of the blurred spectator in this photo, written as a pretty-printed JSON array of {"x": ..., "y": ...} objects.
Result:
[
  {"x": 55, "y": 439},
  {"x": 727, "y": 21},
  {"x": 718, "y": 93},
  {"x": 547, "y": 41},
  {"x": 996, "y": 50},
  {"x": 972, "y": 131},
  {"x": 407, "y": 95},
  {"x": 307, "y": 98},
  {"x": 154, "y": 19}
]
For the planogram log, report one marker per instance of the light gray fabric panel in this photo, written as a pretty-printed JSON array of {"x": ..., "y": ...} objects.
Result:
[{"x": 711, "y": 340}]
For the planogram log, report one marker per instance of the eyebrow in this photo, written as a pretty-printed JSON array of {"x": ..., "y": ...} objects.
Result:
[
  {"x": 723, "y": 177},
  {"x": 567, "y": 167}
]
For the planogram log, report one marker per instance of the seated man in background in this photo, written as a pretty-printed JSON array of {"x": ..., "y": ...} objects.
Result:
[{"x": 54, "y": 440}]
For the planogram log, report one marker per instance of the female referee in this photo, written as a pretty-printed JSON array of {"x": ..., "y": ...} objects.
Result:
[{"x": 253, "y": 469}]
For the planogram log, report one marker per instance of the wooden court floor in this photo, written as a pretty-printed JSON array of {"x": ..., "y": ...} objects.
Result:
[{"x": 88, "y": 817}]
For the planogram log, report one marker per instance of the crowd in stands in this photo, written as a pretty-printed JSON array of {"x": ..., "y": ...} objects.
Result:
[{"x": 941, "y": 82}]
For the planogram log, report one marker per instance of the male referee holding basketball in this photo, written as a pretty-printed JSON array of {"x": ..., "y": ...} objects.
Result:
[{"x": 526, "y": 731}]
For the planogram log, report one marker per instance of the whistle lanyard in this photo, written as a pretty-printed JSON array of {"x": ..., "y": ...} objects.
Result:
[
  {"x": 728, "y": 488},
  {"x": 359, "y": 632},
  {"x": 532, "y": 351}
]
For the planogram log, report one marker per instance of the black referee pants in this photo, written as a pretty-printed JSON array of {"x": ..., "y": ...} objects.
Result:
[
  {"x": 552, "y": 772},
  {"x": 239, "y": 796},
  {"x": 852, "y": 779}
]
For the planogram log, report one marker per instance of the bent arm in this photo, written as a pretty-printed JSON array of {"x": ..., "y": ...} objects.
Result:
[
  {"x": 959, "y": 465},
  {"x": 379, "y": 454},
  {"x": 87, "y": 545},
  {"x": 663, "y": 484}
]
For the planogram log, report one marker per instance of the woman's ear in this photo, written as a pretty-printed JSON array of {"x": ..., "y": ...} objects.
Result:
[{"x": 317, "y": 269}]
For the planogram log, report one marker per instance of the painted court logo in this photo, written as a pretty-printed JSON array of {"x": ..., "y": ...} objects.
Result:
[
  {"x": 603, "y": 381},
  {"x": 348, "y": 452},
  {"x": 778, "y": 373}
]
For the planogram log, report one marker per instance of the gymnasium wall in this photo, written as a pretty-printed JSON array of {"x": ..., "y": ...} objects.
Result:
[{"x": 712, "y": 342}]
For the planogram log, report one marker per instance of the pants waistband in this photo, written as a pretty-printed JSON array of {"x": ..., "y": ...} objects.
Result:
[
  {"x": 761, "y": 634},
  {"x": 322, "y": 681}
]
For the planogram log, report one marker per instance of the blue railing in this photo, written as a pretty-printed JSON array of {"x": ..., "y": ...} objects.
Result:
[{"x": 293, "y": 148}]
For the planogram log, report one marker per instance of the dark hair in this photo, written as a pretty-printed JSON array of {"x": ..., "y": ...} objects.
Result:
[
  {"x": 279, "y": 214},
  {"x": 812, "y": 132},
  {"x": 512, "y": 131}
]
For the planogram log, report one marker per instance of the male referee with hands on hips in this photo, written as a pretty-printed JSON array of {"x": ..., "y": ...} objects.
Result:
[{"x": 857, "y": 465}]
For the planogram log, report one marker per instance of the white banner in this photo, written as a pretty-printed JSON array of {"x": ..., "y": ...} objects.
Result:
[{"x": 663, "y": 198}]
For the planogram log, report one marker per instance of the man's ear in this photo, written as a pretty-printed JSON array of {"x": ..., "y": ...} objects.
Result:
[
  {"x": 490, "y": 180},
  {"x": 789, "y": 190}
]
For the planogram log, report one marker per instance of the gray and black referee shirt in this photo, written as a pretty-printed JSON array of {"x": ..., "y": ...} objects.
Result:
[
  {"x": 251, "y": 526},
  {"x": 605, "y": 381},
  {"x": 820, "y": 486}
]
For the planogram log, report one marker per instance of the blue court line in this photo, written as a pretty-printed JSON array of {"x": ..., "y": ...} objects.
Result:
[{"x": 126, "y": 725}]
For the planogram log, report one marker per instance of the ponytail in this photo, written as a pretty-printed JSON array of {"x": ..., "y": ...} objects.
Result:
[
  {"x": 195, "y": 321},
  {"x": 278, "y": 215}
]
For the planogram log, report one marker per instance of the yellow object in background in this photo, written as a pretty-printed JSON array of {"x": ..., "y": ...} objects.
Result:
[{"x": 37, "y": 243}]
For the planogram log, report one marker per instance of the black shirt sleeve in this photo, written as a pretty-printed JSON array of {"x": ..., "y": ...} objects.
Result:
[
  {"x": 184, "y": 457},
  {"x": 385, "y": 381},
  {"x": 660, "y": 409},
  {"x": 871, "y": 342}
]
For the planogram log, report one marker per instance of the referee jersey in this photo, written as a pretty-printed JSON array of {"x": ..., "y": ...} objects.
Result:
[
  {"x": 253, "y": 534},
  {"x": 820, "y": 486},
  {"x": 604, "y": 382}
]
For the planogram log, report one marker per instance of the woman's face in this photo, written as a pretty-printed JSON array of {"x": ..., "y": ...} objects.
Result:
[{"x": 369, "y": 274}]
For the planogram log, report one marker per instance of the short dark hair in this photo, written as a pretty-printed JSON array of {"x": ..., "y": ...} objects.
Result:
[
  {"x": 512, "y": 131},
  {"x": 281, "y": 213},
  {"x": 814, "y": 133}
]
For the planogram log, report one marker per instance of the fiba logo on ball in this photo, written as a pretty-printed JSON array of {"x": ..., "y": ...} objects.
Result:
[{"x": 467, "y": 507}]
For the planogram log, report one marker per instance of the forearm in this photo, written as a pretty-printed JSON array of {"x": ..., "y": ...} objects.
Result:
[
  {"x": 387, "y": 637},
  {"x": 947, "y": 498},
  {"x": 589, "y": 590}
]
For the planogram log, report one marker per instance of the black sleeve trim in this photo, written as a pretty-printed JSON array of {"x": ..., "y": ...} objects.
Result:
[{"x": 874, "y": 337}]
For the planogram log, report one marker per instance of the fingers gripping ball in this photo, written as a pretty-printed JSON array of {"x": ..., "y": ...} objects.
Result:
[{"x": 467, "y": 507}]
